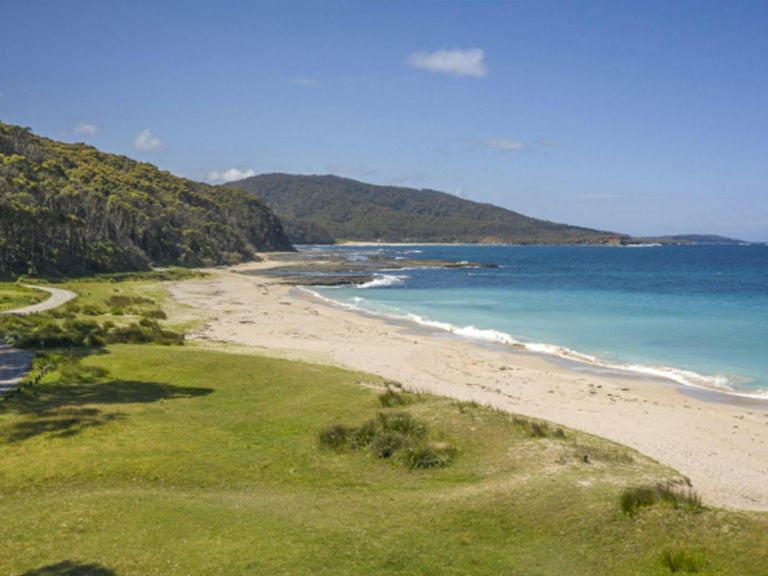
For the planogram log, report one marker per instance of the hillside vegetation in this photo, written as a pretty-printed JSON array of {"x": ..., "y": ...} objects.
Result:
[
  {"x": 71, "y": 209},
  {"x": 318, "y": 209}
]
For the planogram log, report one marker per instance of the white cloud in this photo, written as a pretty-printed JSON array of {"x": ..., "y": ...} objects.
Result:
[
  {"x": 85, "y": 128},
  {"x": 216, "y": 177},
  {"x": 305, "y": 81},
  {"x": 455, "y": 62},
  {"x": 503, "y": 144},
  {"x": 144, "y": 140}
]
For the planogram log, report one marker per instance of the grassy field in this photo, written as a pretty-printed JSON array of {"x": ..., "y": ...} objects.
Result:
[
  {"x": 161, "y": 460},
  {"x": 13, "y": 296}
]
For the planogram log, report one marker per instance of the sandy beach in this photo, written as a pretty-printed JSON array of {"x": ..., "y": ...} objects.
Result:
[{"x": 721, "y": 446}]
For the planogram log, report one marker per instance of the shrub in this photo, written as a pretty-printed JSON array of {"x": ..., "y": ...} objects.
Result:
[
  {"x": 427, "y": 456},
  {"x": 389, "y": 435},
  {"x": 403, "y": 423},
  {"x": 334, "y": 437},
  {"x": 363, "y": 435},
  {"x": 144, "y": 332},
  {"x": 538, "y": 430},
  {"x": 123, "y": 301},
  {"x": 632, "y": 499},
  {"x": 681, "y": 560},
  {"x": 386, "y": 443},
  {"x": 92, "y": 310},
  {"x": 392, "y": 398},
  {"x": 154, "y": 314}
]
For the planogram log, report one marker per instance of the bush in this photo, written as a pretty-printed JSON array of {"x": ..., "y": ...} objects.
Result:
[
  {"x": 403, "y": 423},
  {"x": 632, "y": 499},
  {"x": 123, "y": 301},
  {"x": 145, "y": 332},
  {"x": 389, "y": 435},
  {"x": 386, "y": 443},
  {"x": 427, "y": 456},
  {"x": 363, "y": 435},
  {"x": 392, "y": 398},
  {"x": 154, "y": 314},
  {"x": 334, "y": 437},
  {"x": 681, "y": 560},
  {"x": 92, "y": 310}
]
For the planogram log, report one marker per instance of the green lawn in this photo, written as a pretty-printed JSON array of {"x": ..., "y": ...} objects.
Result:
[
  {"x": 13, "y": 296},
  {"x": 184, "y": 461}
]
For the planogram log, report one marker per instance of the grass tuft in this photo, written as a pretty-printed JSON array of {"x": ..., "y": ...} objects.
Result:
[
  {"x": 681, "y": 560},
  {"x": 334, "y": 437},
  {"x": 632, "y": 499},
  {"x": 389, "y": 435},
  {"x": 391, "y": 398}
]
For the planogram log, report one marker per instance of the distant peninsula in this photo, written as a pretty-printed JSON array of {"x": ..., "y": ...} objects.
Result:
[{"x": 327, "y": 209}]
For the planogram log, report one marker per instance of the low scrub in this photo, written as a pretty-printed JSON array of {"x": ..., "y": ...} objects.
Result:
[
  {"x": 39, "y": 331},
  {"x": 633, "y": 499},
  {"x": 681, "y": 560},
  {"x": 397, "y": 436}
]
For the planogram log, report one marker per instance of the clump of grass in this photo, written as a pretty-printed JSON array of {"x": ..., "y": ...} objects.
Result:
[
  {"x": 92, "y": 310},
  {"x": 390, "y": 436},
  {"x": 428, "y": 456},
  {"x": 387, "y": 443},
  {"x": 391, "y": 398},
  {"x": 403, "y": 423},
  {"x": 536, "y": 429},
  {"x": 363, "y": 435},
  {"x": 680, "y": 559},
  {"x": 123, "y": 301},
  {"x": 334, "y": 437},
  {"x": 464, "y": 407},
  {"x": 41, "y": 331},
  {"x": 632, "y": 499},
  {"x": 154, "y": 314},
  {"x": 72, "y": 370}
]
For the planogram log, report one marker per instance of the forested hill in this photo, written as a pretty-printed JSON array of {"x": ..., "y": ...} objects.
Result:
[
  {"x": 71, "y": 209},
  {"x": 319, "y": 209}
]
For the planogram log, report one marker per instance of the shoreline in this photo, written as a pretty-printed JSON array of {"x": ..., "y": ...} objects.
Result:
[
  {"x": 572, "y": 364},
  {"x": 556, "y": 353},
  {"x": 721, "y": 446}
]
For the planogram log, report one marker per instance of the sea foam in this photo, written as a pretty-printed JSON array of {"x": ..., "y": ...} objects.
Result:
[{"x": 717, "y": 382}]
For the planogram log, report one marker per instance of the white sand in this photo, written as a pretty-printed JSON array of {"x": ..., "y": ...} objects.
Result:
[{"x": 721, "y": 447}]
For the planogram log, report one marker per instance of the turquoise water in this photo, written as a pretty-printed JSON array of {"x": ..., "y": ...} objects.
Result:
[{"x": 695, "y": 314}]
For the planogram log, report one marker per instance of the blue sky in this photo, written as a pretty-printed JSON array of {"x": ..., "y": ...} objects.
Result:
[{"x": 642, "y": 117}]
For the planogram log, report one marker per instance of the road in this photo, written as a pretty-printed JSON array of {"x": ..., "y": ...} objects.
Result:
[
  {"x": 14, "y": 363},
  {"x": 57, "y": 298}
]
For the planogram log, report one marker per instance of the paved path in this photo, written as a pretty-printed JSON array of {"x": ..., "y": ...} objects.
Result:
[
  {"x": 58, "y": 297},
  {"x": 14, "y": 363}
]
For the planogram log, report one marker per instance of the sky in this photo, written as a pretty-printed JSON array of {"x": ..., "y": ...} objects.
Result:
[{"x": 640, "y": 117}]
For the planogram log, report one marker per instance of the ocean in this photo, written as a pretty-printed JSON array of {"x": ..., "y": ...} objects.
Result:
[{"x": 697, "y": 315}]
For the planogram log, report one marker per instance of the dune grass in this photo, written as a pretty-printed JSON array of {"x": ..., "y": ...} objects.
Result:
[{"x": 174, "y": 460}]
